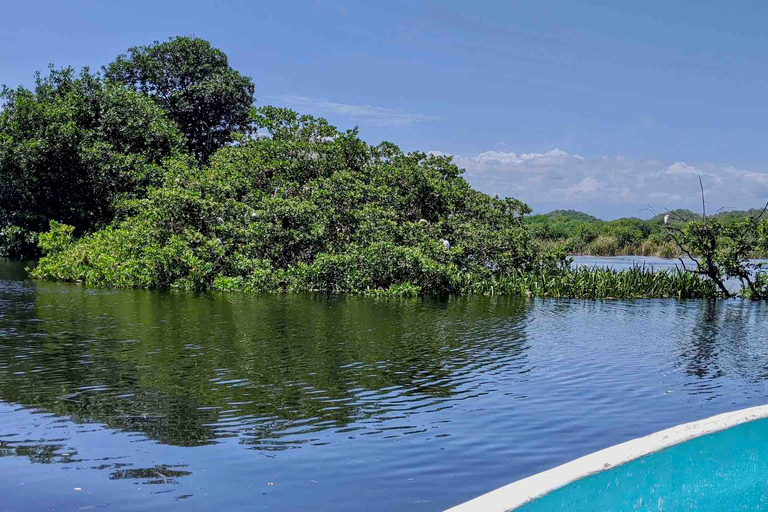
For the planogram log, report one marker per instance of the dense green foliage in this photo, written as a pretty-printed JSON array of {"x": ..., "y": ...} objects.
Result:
[
  {"x": 194, "y": 84},
  {"x": 307, "y": 208},
  {"x": 72, "y": 147}
]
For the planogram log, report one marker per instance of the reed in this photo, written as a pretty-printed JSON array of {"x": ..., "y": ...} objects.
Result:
[{"x": 640, "y": 281}]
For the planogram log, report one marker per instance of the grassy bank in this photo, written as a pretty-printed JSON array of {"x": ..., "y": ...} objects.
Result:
[{"x": 639, "y": 282}]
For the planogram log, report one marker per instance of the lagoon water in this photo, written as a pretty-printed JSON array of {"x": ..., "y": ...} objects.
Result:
[
  {"x": 625, "y": 262},
  {"x": 142, "y": 400}
]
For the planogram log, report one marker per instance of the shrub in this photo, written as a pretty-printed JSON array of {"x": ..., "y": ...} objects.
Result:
[
  {"x": 71, "y": 148},
  {"x": 309, "y": 208},
  {"x": 603, "y": 246}
]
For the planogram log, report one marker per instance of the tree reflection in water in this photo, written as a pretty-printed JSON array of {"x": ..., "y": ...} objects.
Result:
[{"x": 274, "y": 370}]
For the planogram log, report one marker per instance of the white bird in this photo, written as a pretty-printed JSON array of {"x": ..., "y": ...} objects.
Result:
[
  {"x": 446, "y": 243},
  {"x": 666, "y": 219}
]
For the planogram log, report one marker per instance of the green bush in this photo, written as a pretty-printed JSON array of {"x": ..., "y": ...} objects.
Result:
[
  {"x": 70, "y": 149},
  {"x": 17, "y": 242},
  {"x": 603, "y": 246},
  {"x": 309, "y": 208}
]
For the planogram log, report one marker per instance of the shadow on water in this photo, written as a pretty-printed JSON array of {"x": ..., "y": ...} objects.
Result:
[{"x": 188, "y": 369}]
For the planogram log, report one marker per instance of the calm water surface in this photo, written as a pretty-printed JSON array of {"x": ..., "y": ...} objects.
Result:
[{"x": 165, "y": 401}]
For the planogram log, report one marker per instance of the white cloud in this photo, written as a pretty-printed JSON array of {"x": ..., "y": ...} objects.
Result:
[
  {"x": 377, "y": 116},
  {"x": 611, "y": 185},
  {"x": 682, "y": 168},
  {"x": 586, "y": 186},
  {"x": 512, "y": 161}
]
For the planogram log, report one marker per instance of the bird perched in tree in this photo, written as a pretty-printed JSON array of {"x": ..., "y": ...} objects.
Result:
[
  {"x": 666, "y": 219},
  {"x": 446, "y": 243}
]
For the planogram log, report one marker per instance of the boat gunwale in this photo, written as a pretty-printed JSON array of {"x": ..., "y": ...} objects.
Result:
[{"x": 525, "y": 490}]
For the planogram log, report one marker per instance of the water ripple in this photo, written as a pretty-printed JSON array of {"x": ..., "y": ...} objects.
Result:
[{"x": 402, "y": 400}]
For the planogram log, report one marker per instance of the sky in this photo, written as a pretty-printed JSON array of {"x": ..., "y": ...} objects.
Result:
[{"x": 612, "y": 108}]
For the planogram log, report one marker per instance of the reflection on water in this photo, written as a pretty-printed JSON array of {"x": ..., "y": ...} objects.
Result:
[
  {"x": 147, "y": 400},
  {"x": 186, "y": 370}
]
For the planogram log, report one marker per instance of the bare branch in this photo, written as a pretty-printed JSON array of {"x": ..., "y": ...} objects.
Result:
[
  {"x": 692, "y": 271},
  {"x": 762, "y": 212},
  {"x": 686, "y": 251}
]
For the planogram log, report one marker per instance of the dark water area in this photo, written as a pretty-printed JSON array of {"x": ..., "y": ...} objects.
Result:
[{"x": 141, "y": 400}]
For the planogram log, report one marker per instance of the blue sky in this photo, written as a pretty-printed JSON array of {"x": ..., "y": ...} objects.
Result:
[{"x": 595, "y": 105}]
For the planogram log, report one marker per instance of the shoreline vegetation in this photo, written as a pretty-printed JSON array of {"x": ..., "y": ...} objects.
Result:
[
  {"x": 160, "y": 173},
  {"x": 581, "y": 234}
]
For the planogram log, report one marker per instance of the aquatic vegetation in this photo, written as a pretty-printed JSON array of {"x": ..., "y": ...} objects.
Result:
[{"x": 640, "y": 281}]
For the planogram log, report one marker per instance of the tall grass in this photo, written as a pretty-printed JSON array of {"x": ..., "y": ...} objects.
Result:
[{"x": 640, "y": 281}]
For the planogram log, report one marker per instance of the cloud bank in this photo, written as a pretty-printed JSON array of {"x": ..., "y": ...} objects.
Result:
[{"x": 611, "y": 186}]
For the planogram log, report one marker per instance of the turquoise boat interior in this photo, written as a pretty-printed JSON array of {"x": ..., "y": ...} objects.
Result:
[
  {"x": 714, "y": 464},
  {"x": 727, "y": 470}
]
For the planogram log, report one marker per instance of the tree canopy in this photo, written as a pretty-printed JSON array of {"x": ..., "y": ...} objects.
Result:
[
  {"x": 195, "y": 85},
  {"x": 307, "y": 208},
  {"x": 70, "y": 148}
]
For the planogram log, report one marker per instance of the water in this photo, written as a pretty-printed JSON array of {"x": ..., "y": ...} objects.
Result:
[
  {"x": 625, "y": 262},
  {"x": 148, "y": 400},
  {"x": 723, "y": 471}
]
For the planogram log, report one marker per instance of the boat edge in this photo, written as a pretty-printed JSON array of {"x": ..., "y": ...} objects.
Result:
[{"x": 520, "y": 492}]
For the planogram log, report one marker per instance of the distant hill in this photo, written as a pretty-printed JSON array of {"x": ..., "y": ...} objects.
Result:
[
  {"x": 683, "y": 213},
  {"x": 675, "y": 215},
  {"x": 568, "y": 215},
  {"x": 739, "y": 214}
]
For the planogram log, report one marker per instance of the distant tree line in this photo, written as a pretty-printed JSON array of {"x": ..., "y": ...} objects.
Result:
[{"x": 580, "y": 233}]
